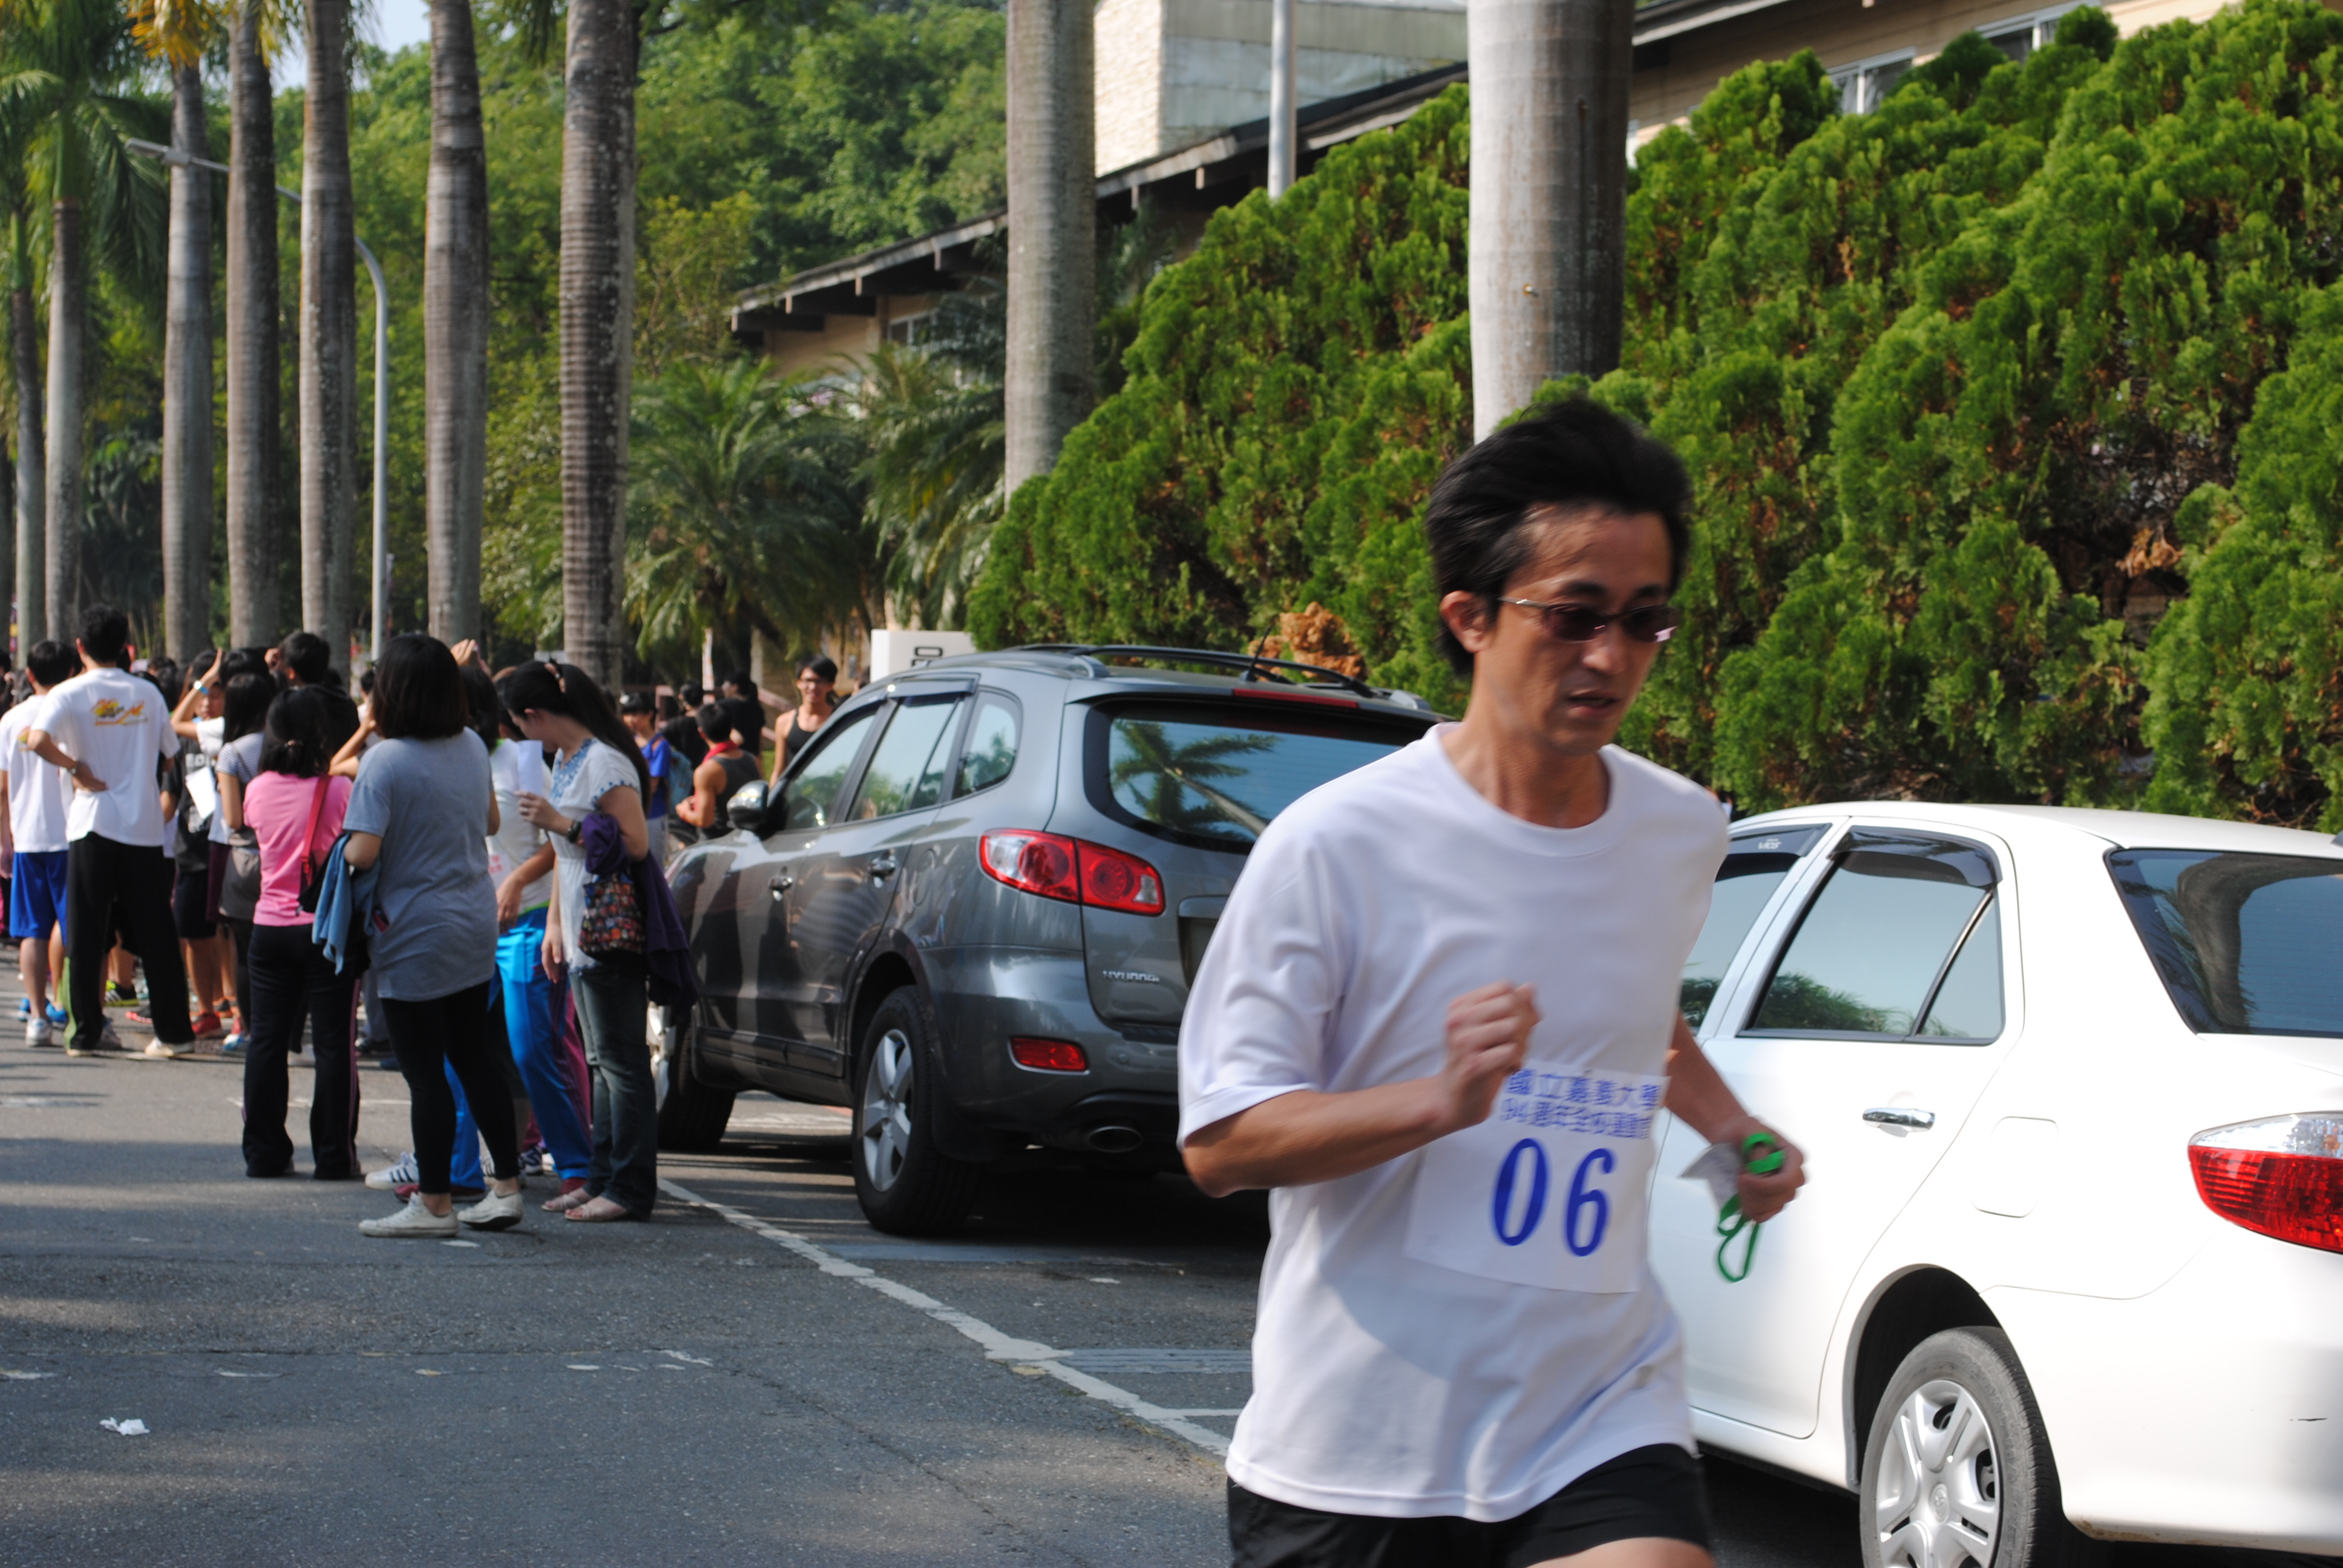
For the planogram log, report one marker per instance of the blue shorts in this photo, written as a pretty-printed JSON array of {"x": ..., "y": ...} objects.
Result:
[{"x": 36, "y": 893}]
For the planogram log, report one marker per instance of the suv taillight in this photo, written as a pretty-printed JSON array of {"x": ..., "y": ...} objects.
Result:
[
  {"x": 1073, "y": 869},
  {"x": 2282, "y": 1176}
]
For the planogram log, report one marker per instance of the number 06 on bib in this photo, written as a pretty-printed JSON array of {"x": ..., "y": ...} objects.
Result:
[{"x": 1551, "y": 1190}]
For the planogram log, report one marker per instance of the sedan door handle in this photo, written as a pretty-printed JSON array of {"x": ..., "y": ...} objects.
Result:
[
  {"x": 1899, "y": 1116},
  {"x": 780, "y": 885},
  {"x": 883, "y": 865}
]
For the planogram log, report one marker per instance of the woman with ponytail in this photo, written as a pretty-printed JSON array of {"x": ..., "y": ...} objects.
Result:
[
  {"x": 599, "y": 772},
  {"x": 294, "y": 811}
]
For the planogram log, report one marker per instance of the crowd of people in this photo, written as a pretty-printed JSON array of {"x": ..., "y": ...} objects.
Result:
[{"x": 479, "y": 856}]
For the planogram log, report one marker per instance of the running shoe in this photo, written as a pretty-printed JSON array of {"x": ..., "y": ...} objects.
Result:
[
  {"x": 120, "y": 995},
  {"x": 58, "y": 1015},
  {"x": 207, "y": 1025},
  {"x": 162, "y": 1051},
  {"x": 537, "y": 1160},
  {"x": 109, "y": 1043},
  {"x": 37, "y": 1032},
  {"x": 138, "y": 1020},
  {"x": 401, "y": 1174},
  {"x": 23, "y": 1007},
  {"x": 413, "y": 1221},
  {"x": 232, "y": 1044}
]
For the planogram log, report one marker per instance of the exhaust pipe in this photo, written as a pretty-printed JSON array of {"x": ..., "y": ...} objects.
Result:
[{"x": 1115, "y": 1139}]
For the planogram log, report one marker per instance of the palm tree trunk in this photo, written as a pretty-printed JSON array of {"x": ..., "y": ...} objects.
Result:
[
  {"x": 597, "y": 318},
  {"x": 32, "y": 497},
  {"x": 1049, "y": 381},
  {"x": 1548, "y": 231},
  {"x": 455, "y": 326},
  {"x": 253, "y": 393},
  {"x": 330, "y": 339},
  {"x": 67, "y": 305},
  {"x": 187, "y": 382}
]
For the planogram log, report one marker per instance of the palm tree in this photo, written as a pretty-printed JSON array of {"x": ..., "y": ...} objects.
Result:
[
  {"x": 1050, "y": 384},
  {"x": 743, "y": 507},
  {"x": 934, "y": 470},
  {"x": 1548, "y": 242},
  {"x": 187, "y": 378},
  {"x": 253, "y": 365},
  {"x": 598, "y": 315},
  {"x": 455, "y": 326},
  {"x": 329, "y": 332},
  {"x": 25, "y": 362},
  {"x": 63, "y": 68}
]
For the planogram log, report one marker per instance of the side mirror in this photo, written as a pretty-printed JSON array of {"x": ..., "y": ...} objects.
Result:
[{"x": 746, "y": 806}]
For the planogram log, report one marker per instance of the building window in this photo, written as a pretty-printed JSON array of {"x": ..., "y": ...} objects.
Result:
[
  {"x": 909, "y": 330},
  {"x": 1865, "y": 83},
  {"x": 2018, "y": 37}
]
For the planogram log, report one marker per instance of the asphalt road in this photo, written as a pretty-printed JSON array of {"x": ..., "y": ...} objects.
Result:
[{"x": 755, "y": 1374}]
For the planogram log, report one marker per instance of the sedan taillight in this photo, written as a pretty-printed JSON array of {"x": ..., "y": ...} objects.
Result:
[
  {"x": 1071, "y": 869},
  {"x": 2282, "y": 1176}
]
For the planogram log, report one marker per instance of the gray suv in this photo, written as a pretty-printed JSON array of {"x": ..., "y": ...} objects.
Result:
[{"x": 972, "y": 914}]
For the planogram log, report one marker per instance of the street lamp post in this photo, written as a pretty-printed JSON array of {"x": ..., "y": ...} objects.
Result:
[{"x": 177, "y": 159}]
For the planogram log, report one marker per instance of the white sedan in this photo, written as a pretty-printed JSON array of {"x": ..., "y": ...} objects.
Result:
[{"x": 2070, "y": 1088}]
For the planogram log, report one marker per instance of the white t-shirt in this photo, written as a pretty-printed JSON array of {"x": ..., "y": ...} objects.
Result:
[
  {"x": 36, "y": 790},
  {"x": 514, "y": 767},
  {"x": 1401, "y": 1367},
  {"x": 579, "y": 781},
  {"x": 121, "y": 726}
]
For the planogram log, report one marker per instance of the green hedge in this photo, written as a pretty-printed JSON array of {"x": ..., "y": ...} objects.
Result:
[{"x": 2010, "y": 406}]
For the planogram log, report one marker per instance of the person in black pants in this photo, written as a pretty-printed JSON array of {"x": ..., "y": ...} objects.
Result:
[
  {"x": 111, "y": 731},
  {"x": 294, "y": 808}
]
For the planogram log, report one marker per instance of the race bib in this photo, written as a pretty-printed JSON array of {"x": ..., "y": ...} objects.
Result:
[{"x": 1550, "y": 1190}]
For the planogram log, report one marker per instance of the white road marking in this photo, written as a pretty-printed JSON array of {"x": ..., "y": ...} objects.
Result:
[{"x": 998, "y": 1346}]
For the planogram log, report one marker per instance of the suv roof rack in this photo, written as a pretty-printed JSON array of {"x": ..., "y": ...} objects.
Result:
[{"x": 1255, "y": 668}]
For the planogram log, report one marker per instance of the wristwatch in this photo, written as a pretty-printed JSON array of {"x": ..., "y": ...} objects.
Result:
[{"x": 576, "y": 831}]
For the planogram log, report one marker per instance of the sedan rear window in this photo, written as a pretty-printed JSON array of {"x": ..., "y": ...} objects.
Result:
[
  {"x": 1218, "y": 777},
  {"x": 2246, "y": 944}
]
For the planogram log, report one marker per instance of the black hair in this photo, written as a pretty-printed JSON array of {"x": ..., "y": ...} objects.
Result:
[
  {"x": 245, "y": 661},
  {"x": 306, "y": 654},
  {"x": 715, "y": 721},
  {"x": 692, "y": 694},
  {"x": 294, "y": 740},
  {"x": 50, "y": 662},
  {"x": 1570, "y": 454},
  {"x": 568, "y": 691},
  {"x": 821, "y": 664},
  {"x": 366, "y": 681},
  {"x": 418, "y": 693},
  {"x": 742, "y": 682},
  {"x": 249, "y": 696},
  {"x": 163, "y": 674},
  {"x": 487, "y": 711},
  {"x": 104, "y": 632},
  {"x": 634, "y": 702}
]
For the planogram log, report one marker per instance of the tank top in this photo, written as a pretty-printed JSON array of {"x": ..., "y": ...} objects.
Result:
[{"x": 739, "y": 768}]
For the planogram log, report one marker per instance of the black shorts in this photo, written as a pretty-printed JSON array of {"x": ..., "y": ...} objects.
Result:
[
  {"x": 1652, "y": 1492},
  {"x": 190, "y": 892}
]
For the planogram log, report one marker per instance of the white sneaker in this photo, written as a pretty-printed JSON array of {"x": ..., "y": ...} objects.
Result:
[
  {"x": 492, "y": 1213},
  {"x": 37, "y": 1032},
  {"x": 413, "y": 1221},
  {"x": 160, "y": 1052},
  {"x": 402, "y": 1174}
]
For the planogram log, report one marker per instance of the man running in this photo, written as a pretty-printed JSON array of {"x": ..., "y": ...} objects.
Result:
[
  {"x": 111, "y": 731},
  {"x": 1462, "y": 1358}
]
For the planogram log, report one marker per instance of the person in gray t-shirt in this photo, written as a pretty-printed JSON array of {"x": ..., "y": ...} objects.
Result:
[{"x": 421, "y": 813}]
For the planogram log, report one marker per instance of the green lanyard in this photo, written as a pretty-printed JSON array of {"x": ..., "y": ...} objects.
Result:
[{"x": 1761, "y": 1155}]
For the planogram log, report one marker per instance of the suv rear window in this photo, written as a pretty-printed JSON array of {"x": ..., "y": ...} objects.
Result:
[
  {"x": 2246, "y": 944},
  {"x": 1217, "y": 776}
]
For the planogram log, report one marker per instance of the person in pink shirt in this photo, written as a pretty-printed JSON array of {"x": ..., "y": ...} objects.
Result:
[{"x": 294, "y": 808}]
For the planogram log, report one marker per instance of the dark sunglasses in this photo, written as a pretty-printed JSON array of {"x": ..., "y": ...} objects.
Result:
[{"x": 1576, "y": 623}]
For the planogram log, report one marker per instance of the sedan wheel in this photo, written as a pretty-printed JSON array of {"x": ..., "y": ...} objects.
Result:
[
  {"x": 1939, "y": 1500},
  {"x": 1956, "y": 1469},
  {"x": 905, "y": 1184}
]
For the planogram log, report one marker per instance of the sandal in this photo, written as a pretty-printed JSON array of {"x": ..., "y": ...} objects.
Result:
[
  {"x": 576, "y": 1198},
  {"x": 608, "y": 1212}
]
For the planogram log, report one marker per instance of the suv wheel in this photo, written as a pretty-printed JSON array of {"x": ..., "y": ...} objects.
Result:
[
  {"x": 691, "y": 1114},
  {"x": 906, "y": 1185},
  {"x": 1958, "y": 1471}
]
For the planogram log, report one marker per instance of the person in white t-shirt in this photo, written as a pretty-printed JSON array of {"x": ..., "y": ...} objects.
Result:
[
  {"x": 1438, "y": 1020},
  {"x": 111, "y": 731},
  {"x": 35, "y": 793}
]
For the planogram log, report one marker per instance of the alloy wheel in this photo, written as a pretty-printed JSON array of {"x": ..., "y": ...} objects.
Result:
[
  {"x": 1938, "y": 1500},
  {"x": 887, "y": 1110}
]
